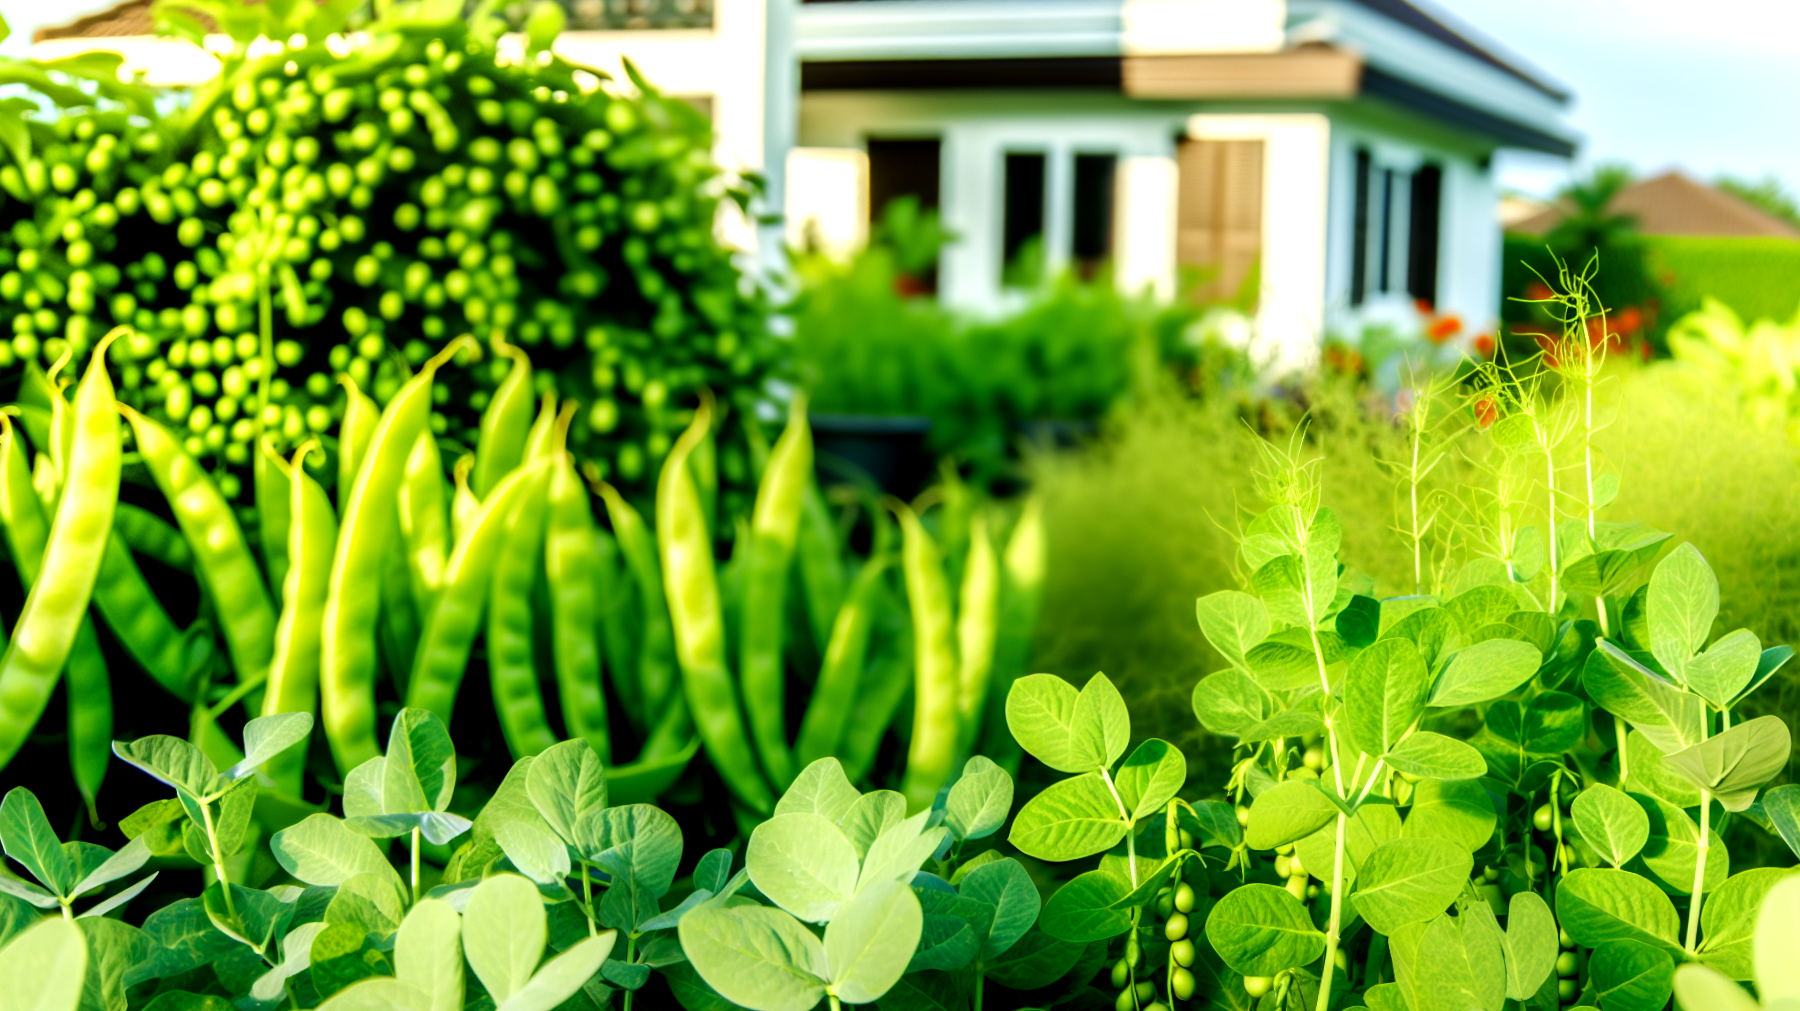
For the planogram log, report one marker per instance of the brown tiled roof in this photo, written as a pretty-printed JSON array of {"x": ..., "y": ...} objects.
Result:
[
  {"x": 1673, "y": 204},
  {"x": 132, "y": 17}
]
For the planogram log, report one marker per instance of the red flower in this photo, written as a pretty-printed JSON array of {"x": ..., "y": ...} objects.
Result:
[
  {"x": 1484, "y": 345},
  {"x": 1486, "y": 413},
  {"x": 1443, "y": 328},
  {"x": 1538, "y": 291}
]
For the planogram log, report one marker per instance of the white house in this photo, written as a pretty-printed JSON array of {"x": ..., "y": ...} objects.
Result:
[{"x": 1330, "y": 158}]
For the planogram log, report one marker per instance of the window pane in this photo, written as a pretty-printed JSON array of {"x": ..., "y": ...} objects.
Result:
[
  {"x": 1092, "y": 242},
  {"x": 1022, "y": 228}
]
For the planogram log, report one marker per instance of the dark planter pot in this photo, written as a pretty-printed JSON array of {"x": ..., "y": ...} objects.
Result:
[{"x": 888, "y": 451}]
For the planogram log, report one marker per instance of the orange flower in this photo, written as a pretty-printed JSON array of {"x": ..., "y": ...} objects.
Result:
[
  {"x": 1484, "y": 345},
  {"x": 1443, "y": 328},
  {"x": 1537, "y": 291},
  {"x": 1486, "y": 413}
]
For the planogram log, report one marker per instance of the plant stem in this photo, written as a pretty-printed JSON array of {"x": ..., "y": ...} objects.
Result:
[
  {"x": 415, "y": 864},
  {"x": 218, "y": 855},
  {"x": 587, "y": 893},
  {"x": 1693, "y": 924},
  {"x": 1337, "y": 912},
  {"x": 979, "y": 985},
  {"x": 1619, "y": 731},
  {"x": 631, "y": 956},
  {"x": 1124, "y": 815},
  {"x": 1555, "y": 603}
]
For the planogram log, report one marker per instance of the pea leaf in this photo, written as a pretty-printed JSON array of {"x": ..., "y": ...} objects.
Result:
[
  {"x": 362, "y": 788},
  {"x": 1699, "y": 986},
  {"x": 1430, "y": 628},
  {"x": 420, "y": 774},
  {"x": 268, "y": 736},
  {"x": 1480, "y": 606},
  {"x": 1611, "y": 822},
  {"x": 172, "y": 761},
  {"x": 755, "y": 956},
  {"x": 821, "y": 789},
  {"x": 1035, "y": 961},
  {"x": 1232, "y": 622},
  {"x": 1461, "y": 964},
  {"x": 1068, "y": 820},
  {"x": 535, "y": 850},
  {"x": 1673, "y": 849},
  {"x": 567, "y": 784},
  {"x": 1599, "y": 905},
  {"x": 1290, "y": 810},
  {"x": 1385, "y": 692},
  {"x": 1260, "y": 930},
  {"x": 1630, "y": 975},
  {"x": 504, "y": 934},
  {"x": 1773, "y": 659},
  {"x": 1101, "y": 726},
  {"x": 321, "y": 851},
  {"x": 1782, "y": 805},
  {"x": 954, "y": 927},
  {"x": 563, "y": 975},
  {"x": 1230, "y": 702},
  {"x": 871, "y": 940},
  {"x": 28, "y": 838},
  {"x": 1005, "y": 885},
  {"x": 1484, "y": 672},
  {"x": 1726, "y": 668},
  {"x": 1040, "y": 712},
  {"x": 113, "y": 947},
  {"x": 1736, "y": 763},
  {"x": 1728, "y": 920},
  {"x": 1152, "y": 774},
  {"x": 1359, "y": 623},
  {"x": 45, "y": 966},
  {"x": 1531, "y": 948},
  {"x": 1410, "y": 881},
  {"x": 1650, "y": 773},
  {"x": 872, "y": 815},
  {"x": 1668, "y": 717},
  {"x": 1437, "y": 757},
  {"x": 979, "y": 800},
  {"x": 1286, "y": 660},
  {"x": 1371, "y": 825},
  {"x": 804, "y": 864},
  {"x": 1086, "y": 908},
  {"x": 1684, "y": 600},
  {"x": 900, "y": 850},
  {"x": 182, "y": 938},
  {"x": 1457, "y": 810}
]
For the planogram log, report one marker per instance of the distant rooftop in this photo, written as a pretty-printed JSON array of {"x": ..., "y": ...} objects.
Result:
[{"x": 1673, "y": 204}]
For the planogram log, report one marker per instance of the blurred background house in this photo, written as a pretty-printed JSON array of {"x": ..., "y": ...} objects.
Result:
[{"x": 1324, "y": 162}]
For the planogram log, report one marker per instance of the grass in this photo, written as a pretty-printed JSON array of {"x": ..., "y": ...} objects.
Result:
[{"x": 1757, "y": 277}]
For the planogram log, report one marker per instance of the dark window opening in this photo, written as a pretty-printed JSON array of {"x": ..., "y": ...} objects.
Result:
[
  {"x": 1359, "y": 231},
  {"x": 907, "y": 169},
  {"x": 1422, "y": 238},
  {"x": 1385, "y": 267},
  {"x": 1092, "y": 242},
  {"x": 1022, "y": 224}
]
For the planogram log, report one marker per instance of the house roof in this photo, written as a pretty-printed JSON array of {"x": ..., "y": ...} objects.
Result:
[
  {"x": 129, "y": 18},
  {"x": 1673, "y": 204},
  {"x": 1435, "y": 27}
]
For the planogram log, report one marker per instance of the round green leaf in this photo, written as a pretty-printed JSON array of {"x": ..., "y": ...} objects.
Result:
[
  {"x": 1233, "y": 622},
  {"x": 1385, "y": 693},
  {"x": 1777, "y": 970},
  {"x": 1483, "y": 672},
  {"x": 821, "y": 789},
  {"x": 1435, "y": 756},
  {"x": 504, "y": 934},
  {"x": 1683, "y": 601},
  {"x": 1040, "y": 712},
  {"x": 1458, "y": 810},
  {"x": 567, "y": 785},
  {"x": 1700, "y": 988},
  {"x": 804, "y": 864},
  {"x": 1531, "y": 948},
  {"x": 1631, "y": 976},
  {"x": 1230, "y": 702},
  {"x": 1083, "y": 909},
  {"x": 1153, "y": 773},
  {"x": 1101, "y": 726},
  {"x": 1600, "y": 905},
  {"x": 1260, "y": 930},
  {"x": 1728, "y": 920},
  {"x": 870, "y": 941},
  {"x": 1460, "y": 965},
  {"x": 1290, "y": 810},
  {"x": 1736, "y": 763},
  {"x": 44, "y": 968},
  {"x": 980, "y": 800},
  {"x": 1070, "y": 820},
  {"x": 756, "y": 957},
  {"x": 321, "y": 850},
  {"x": 1410, "y": 881},
  {"x": 1673, "y": 849},
  {"x": 1611, "y": 822}
]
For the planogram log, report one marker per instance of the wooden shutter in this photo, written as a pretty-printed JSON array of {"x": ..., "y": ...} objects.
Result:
[{"x": 1219, "y": 214}]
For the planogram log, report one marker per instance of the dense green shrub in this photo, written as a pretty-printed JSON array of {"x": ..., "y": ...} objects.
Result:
[{"x": 1758, "y": 278}]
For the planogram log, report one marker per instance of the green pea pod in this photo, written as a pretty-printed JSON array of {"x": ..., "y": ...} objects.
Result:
[
  {"x": 570, "y": 560},
  {"x": 151, "y": 536},
  {"x": 774, "y": 526},
  {"x": 505, "y": 423},
  {"x": 884, "y": 685},
  {"x": 173, "y": 657},
  {"x": 222, "y": 556},
  {"x": 511, "y": 642},
  {"x": 822, "y": 577},
  {"x": 538, "y": 441},
  {"x": 423, "y": 503},
  {"x": 352, "y": 603},
  {"x": 692, "y": 589},
  {"x": 294, "y": 671},
  {"x": 618, "y": 615},
  {"x": 51, "y": 618},
  {"x": 464, "y": 506},
  {"x": 398, "y": 629},
  {"x": 1021, "y": 596},
  {"x": 361, "y": 415},
  {"x": 703, "y": 462},
  {"x": 656, "y": 649},
  {"x": 450, "y": 629},
  {"x": 835, "y": 694},
  {"x": 934, "y": 734},
  {"x": 671, "y": 733},
  {"x": 89, "y": 690},
  {"x": 976, "y": 619},
  {"x": 271, "y": 484}
]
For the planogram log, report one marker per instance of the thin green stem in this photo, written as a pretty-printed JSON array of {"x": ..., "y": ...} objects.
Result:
[
  {"x": 238, "y": 691},
  {"x": 1693, "y": 924},
  {"x": 1619, "y": 731},
  {"x": 415, "y": 864},
  {"x": 1124, "y": 815},
  {"x": 979, "y": 986},
  {"x": 1337, "y": 912},
  {"x": 218, "y": 855},
  {"x": 587, "y": 895},
  {"x": 631, "y": 956}
]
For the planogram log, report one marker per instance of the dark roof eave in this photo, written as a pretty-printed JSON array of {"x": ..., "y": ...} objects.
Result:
[{"x": 1379, "y": 84}]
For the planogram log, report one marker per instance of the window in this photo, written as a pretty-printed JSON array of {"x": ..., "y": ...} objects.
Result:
[
  {"x": 1359, "y": 231},
  {"x": 903, "y": 168},
  {"x": 1422, "y": 238},
  {"x": 1091, "y": 244},
  {"x": 1022, "y": 223},
  {"x": 1218, "y": 215}
]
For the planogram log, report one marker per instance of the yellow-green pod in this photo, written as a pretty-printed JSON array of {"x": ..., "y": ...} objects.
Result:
[
  {"x": 976, "y": 619},
  {"x": 505, "y": 423},
  {"x": 294, "y": 671},
  {"x": 932, "y": 753},
  {"x": 571, "y": 559},
  {"x": 361, "y": 415},
  {"x": 774, "y": 525},
  {"x": 424, "y": 506},
  {"x": 539, "y": 441},
  {"x": 1021, "y": 596},
  {"x": 464, "y": 505}
]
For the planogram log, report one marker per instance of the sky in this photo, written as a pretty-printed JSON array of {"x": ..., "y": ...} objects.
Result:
[{"x": 1708, "y": 86}]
